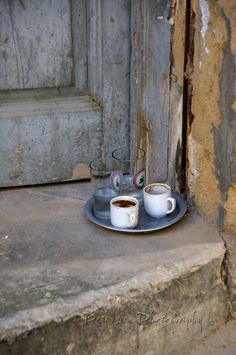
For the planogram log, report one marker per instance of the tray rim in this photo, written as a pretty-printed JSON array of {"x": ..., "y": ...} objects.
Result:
[{"x": 100, "y": 222}]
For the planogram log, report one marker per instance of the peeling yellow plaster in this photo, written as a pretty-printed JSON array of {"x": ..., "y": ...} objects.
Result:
[
  {"x": 206, "y": 111},
  {"x": 230, "y": 211}
]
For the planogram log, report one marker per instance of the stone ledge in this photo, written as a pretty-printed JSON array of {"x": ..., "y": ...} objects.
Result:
[{"x": 66, "y": 279}]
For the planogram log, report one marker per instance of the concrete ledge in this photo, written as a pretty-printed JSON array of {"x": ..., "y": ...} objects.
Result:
[{"x": 70, "y": 287}]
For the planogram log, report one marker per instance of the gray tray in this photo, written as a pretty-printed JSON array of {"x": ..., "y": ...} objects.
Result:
[{"x": 146, "y": 223}]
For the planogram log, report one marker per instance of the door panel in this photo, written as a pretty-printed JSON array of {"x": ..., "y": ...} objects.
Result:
[
  {"x": 68, "y": 69},
  {"x": 36, "y": 44},
  {"x": 47, "y": 140}
]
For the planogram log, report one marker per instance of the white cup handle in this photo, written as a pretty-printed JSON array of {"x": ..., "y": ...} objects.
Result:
[
  {"x": 173, "y": 204},
  {"x": 131, "y": 218}
]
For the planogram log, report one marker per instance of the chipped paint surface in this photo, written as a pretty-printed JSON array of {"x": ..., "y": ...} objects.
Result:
[{"x": 80, "y": 171}]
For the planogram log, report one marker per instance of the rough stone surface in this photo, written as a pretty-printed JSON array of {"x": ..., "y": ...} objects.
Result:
[
  {"x": 70, "y": 287},
  {"x": 221, "y": 342},
  {"x": 230, "y": 267}
]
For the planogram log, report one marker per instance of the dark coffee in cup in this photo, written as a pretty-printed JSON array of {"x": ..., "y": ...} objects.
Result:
[
  {"x": 124, "y": 211},
  {"x": 124, "y": 203}
]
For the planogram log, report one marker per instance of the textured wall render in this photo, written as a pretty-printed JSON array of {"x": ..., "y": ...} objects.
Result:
[{"x": 211, "y": 141}]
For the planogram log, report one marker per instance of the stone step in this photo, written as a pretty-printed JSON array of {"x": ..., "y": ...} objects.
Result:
[
  {"x": 220, "y": 342},
  {"x": 70, "y": 287}
]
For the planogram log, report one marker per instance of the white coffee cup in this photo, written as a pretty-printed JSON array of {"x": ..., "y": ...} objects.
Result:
[
  {"x": 157, "y": 200},
  {"x": 124, "y": 212}
]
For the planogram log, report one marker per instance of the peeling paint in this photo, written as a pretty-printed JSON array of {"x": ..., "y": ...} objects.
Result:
[
  {"x": 205, "y": 17},
  {"x": 166, "y": 19},
  {"x": 80, "y": 171}
]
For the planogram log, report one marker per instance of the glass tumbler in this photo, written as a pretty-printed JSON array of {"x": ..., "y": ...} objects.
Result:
[
  {"x": 133, "y": 177},
  {"x": 105, "y": 184}
]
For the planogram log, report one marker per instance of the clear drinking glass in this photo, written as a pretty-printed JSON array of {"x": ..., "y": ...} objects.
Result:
[
  {"x": 133, "y": 177},
  {"x": 106, "y": 185}
]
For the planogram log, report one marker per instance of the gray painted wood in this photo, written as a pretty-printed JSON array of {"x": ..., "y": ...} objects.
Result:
[
  {"x": 175, "y": 156},
  {"x": 35, "y": 44},
  {"x": 48, "y": 140},
  {"x": 95, "y": 49},
  {"x": 150, "y": 76},
  {"x": 79, "y": 38},
  {"x": 109, "y": 67},
  {"x": 103, "y": 38},
  {"x": 101, "y": 50}
]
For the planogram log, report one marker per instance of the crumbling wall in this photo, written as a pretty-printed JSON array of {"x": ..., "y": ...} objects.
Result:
[{"x": 211, "y": 172}]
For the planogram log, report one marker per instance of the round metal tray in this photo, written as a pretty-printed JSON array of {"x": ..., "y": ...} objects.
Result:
[{"x": 146, "y": 223}]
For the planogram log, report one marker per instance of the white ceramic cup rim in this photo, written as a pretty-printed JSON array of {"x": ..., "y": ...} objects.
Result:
[
  {"x": 157, "y": 184},
  {"x": 126, "y": 198}
]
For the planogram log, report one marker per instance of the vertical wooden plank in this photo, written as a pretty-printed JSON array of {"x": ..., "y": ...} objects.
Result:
[
  {"x": 109, "y": 66},
  {"x": 94, "y": 43},
  {"x": 150, "y": 77},
  {"x": 135, "y": 77},
  {"x": 116, "y": 71},
  {"x": 178, "y": 43},
  {"x": 79, "y": 41}
]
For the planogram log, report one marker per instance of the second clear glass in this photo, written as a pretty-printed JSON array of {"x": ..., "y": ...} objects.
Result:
[{"x": 133, "y": 177}]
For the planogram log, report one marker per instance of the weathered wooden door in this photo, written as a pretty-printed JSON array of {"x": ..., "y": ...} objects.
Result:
[{"x": 78, "y": 79}]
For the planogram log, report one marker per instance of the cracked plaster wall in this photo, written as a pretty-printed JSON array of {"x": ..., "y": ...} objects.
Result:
[{"x": 212, "y": 134}]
